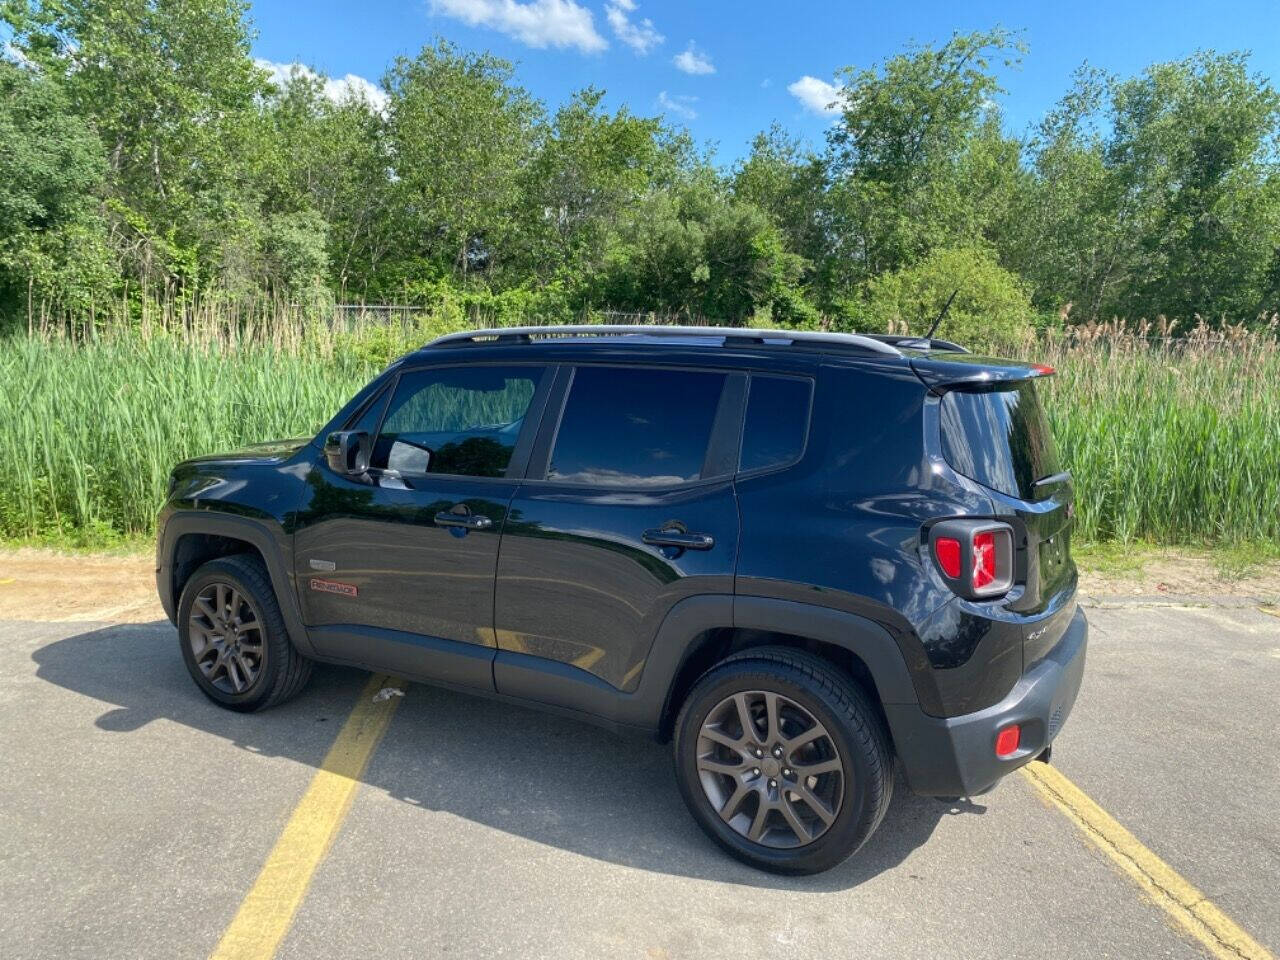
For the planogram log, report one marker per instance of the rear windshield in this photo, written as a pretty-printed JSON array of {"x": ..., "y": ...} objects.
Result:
[{"x": 1000, "y": 438}]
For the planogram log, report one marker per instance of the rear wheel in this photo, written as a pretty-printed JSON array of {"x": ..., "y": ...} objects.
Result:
[
  {"x": 233, "y": 638},
  {"x": 783, "y": 761}
]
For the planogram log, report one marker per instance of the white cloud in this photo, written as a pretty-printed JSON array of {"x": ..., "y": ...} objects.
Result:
[
  {"x": 641, "y": 36},
  {"x": 541, "y": 23},
  {"x": 766, "y": 83},
  {"x": 336, "y": 89},
  {"x": 693, "y": 61},
  {"x": 681, "y": 106},
  {"x": 817, "y": 95}
]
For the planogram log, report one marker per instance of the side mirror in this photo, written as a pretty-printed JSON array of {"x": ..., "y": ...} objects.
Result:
[{"x": 348, "y": 452}]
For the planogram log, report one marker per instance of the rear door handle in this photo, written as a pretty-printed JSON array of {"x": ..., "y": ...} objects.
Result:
[
  {"x": 678, "y": 538},
  {"x": 470, "y": 521}
]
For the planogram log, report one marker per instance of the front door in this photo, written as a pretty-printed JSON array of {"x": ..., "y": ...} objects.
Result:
[
  {"x": 395, "y": 570},
  {"x": 629, "y": 508}
]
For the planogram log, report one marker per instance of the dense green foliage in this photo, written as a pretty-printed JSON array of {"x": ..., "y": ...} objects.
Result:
[
  {"x": 96, "y": 429},
  {"x": 150, "y": 168},
  {"x": 1175, "y": 446},
  {"x": 176, "y": 229}
]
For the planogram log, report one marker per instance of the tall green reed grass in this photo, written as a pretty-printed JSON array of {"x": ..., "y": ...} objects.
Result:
[
  {"x": 88, "y": 433},
  {"x": 1170, "y": 441}
]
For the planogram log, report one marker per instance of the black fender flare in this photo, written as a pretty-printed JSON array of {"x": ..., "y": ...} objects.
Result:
[
  {"x": 864, "y": 638},
  {"x": 272, "y": 544},
  {"x": 651, "y": 701}
]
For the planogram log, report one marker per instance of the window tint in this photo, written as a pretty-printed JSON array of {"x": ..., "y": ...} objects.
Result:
[
  {"x": 635, "y": 427},
  {"x": 777, "y": 419},
  {"x": 1000, "y": 438},
  {"x": 372, "y": 413},
  {"x": 459, "y": 420}
]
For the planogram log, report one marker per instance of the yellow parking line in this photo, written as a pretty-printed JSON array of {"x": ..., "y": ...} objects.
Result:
[
  {"x": 267, "y": 911},
  {"x": 1188, "y": 907}
]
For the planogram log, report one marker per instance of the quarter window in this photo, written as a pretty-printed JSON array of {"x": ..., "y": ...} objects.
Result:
[
  {"x": 456, "y": 420},
  {"x": 776, "y": 422},
  {"x": 635, "y": 427}
]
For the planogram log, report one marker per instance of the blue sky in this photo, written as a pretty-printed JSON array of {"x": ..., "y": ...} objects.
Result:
[{"x": 727, "y": 70}]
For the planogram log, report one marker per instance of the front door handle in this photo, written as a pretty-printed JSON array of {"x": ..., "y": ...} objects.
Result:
[
  {"x": 678, "y": 538},
  {"x": 468, "y": 521}
]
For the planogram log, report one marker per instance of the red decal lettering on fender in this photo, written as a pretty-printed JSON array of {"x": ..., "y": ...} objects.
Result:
[{"x": 332, "y": 586}]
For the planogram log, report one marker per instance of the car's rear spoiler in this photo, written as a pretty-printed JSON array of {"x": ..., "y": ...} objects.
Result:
[{"x": 966, "y": 371}]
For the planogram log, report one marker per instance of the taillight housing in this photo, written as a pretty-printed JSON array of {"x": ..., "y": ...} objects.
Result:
[{"x": 974, "y": 557}]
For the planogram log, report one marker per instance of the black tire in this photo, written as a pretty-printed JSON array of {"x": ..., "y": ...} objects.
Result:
[
  {"x": 856, "y": 734},
  {"x": 282, "y": 671}
]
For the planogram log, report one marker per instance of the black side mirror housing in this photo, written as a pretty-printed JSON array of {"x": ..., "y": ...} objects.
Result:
[{"x": 348, "y": 452}]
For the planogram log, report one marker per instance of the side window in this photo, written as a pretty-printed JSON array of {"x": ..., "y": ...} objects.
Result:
[
  {"x": 455, "y": 420},
  {"x": 371, "y": 415},
  {"x": 625, "y": 426},
  {"x": 776, "y": 422}
]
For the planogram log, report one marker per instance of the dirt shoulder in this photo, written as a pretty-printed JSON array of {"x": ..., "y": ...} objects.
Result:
[
  {"x": 1176, "y": 574},
  {"x": 40, "y": 584}
]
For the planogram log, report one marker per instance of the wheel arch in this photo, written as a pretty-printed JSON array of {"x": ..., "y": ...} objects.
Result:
[
  {"x": 860, "y": 648},
  {"x": 193, "y": 538},
  {"x": 193, "y": 550}
]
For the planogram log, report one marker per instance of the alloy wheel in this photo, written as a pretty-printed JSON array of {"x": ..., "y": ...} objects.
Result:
[
  {"x": 770, "y": 769},
  {"x": 225, "y": 634}
]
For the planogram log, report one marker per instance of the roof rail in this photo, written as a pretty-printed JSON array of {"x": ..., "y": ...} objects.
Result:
[
  {"x": 908, "y": 342},
  {"x": 732, "y": 335}
]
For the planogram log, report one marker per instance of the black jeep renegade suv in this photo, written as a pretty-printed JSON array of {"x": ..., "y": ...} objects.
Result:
[{"x": 803, "y": 558}]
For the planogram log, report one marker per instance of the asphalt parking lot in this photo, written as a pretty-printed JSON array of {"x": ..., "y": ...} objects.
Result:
[{"x": 135, "y": 818}]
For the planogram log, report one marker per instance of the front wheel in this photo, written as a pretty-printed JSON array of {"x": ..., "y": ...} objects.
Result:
[
  {"x": 233, "y": 638},
  {"x": 783, "y": 761}
]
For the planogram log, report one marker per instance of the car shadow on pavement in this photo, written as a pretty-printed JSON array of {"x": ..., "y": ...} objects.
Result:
[{"x": 551, "y": 780}]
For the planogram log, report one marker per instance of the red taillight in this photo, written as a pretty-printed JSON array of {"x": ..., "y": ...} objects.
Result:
[
  {"x": 947, "y": 550},
  {"x": 1043, "y": 369},
  {"x": 974, "y": 556},
  {"x": 1007, "y": 741},
  {"x": 984, "y": 560}
]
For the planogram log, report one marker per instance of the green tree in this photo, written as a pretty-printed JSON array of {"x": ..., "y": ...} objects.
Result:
[
  {"x": 1196, "y": 140},
  {"x": 326, "y": 163},
  {"x": 788, "y": 183},
  {"x": 694, "y": 249},
  {"x": 1062, "y": 233},
  {"x": 461, "y": 133},
  {"x": 991, "y": 304},
  {"x": 52, "y": 239},
  {"x": 896, "y": 155},
  {"x": 169, "y": 88},
  {"x": 1156, "y": 194},
  {"x": 589, "y": 170}
]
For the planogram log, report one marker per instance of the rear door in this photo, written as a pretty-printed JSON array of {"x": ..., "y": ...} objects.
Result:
[
  {"x": 1000, "y": 437},
  {"x": 629, "y": 508},
  {"x": 395, "y": 570}
]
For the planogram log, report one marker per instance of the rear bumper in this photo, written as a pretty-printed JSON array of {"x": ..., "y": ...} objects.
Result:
[{"x": 955, "y": 756}]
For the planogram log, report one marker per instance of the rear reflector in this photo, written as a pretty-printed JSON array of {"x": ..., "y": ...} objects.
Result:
[
  {"x": 947, "y": 550},
  {"x": 1007, "y": 741}
]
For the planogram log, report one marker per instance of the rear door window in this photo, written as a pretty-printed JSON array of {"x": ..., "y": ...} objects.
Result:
[
  {"x": 636, "y": 427},
  {"x": 776, "y": 423},
  {"x": 999, "y": 438}
]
